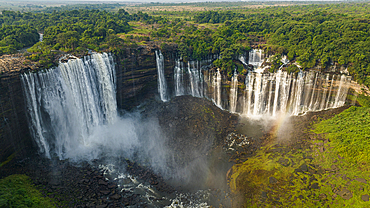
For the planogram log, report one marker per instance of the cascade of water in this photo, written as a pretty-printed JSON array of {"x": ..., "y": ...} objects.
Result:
[
  {"x": 162, "y": 84},
  {"x": 340, "y": 98},
  {"x": 328, "y": 104},
  {"x": 268, "y": 105},
  {"x": 243, "y": 59},
  {"x": 270, "y": 94},
  {"x": 312, "y": 105},
  {"x": 297, "y": 108},
  {"x": 179, "y": 79},
  {"x": 285, "y": 91},
  {"x": 234, "y": 92},
  {"x": 256, "y": 57},
  {"x": 277, "y": 86},
  {"x": 217, "y": 88},
  {"x": 257, "y": 94},
  {"x": 66, "y": 103},
  {"x": 265, "y": 93},
  {"x": 325, "y": 91},
  {"x": 190, "y": 80},
  {"x": 195, "y": 77},
  {"x": 250, "y": 91}
]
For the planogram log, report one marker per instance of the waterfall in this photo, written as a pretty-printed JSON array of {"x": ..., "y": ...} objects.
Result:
[
  {"x": 243, "y": 59},
  {"x": 271, "y": 94},
  {"x": 189, "y": 80},
  {"x": 256, "y": 57},
  {"x": 265, "y": 94},
  {"x": 162, "y": 84},
  {"x": 234, "y": 92},
  {"x": 179, "y": 79},
  {"x": 66, "y": 104},
  {"x": 249, "y": 81},
  {"x": 217, "y": 88},
  {"x": 195, "y": 76}
]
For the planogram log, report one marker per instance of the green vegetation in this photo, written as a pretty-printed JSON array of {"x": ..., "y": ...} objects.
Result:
[
  {"x": 349, "y": 133},
  {"x": 8, "y": 159},
  {"x": 330, "y": 170},
  {"x": 15, "y": 37},
  {"x": 17, "y": 191},
  {"x": 363, "y": 100},
  {"x": 319, "y": 34}
]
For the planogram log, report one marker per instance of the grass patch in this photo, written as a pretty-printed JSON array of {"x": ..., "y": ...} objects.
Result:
[
  {"x": 17, "y": 191},
  {"x": 335, "y": 160},
  {"x": 363, "y": 100},
  {"x": 251, "y": 179},
  {"x": 139, "y": 28},
  {"x": 349, "y": 133}
]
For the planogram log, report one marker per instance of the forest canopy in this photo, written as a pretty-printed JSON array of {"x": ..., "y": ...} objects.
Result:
[{"x": 320, "y": 35}]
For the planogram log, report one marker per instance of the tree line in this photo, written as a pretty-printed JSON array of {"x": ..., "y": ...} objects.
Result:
[
  {"x": 15, "y": 37},
  {"x": 309, "y": 35}
]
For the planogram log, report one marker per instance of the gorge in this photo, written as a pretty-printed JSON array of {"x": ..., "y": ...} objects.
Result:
[
  {"x": 75, "y": 112},
  {"x": 199, "y": 104}
]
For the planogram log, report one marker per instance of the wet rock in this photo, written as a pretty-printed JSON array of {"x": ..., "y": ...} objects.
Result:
[
  {"x": 115, "y": 197},
  {"x": 302, "y": 168},
  {"x": 284, "y": 162},
  {"x": 322, "y": 196},
  {"x": 345, "y": 194},
  {"x": 105, "y": 192},
  {"x": 334, "y": 168},
  {"x": 361, "y": 180},
  {"x": 360, "y": 188},
  {"x": 84, "y": 181},
  {"x": 344, "y": 177},
  {"x": 101, "y": 182},
  {"x": 112, "y": 186},
  {"x": 91, "y": 204},
  {"x": 315, "y": 186},
  {"x": 272, "y": 180},
  {"x": 365, "y": 197},
  {"x": 54, "y": 182}
]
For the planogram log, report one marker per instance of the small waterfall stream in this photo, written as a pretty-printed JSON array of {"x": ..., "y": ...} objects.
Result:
[
  {"x": 256, "y": 57},
  {"x": 162, "y": 84},
  {"x": 234, "y": 92}
]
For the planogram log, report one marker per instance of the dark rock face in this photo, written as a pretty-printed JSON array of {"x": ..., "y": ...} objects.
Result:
[
  {"x": 15, "y": 139},
  {"x": 136, "y": 73},
  {"x": 195, "y": 130}
]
